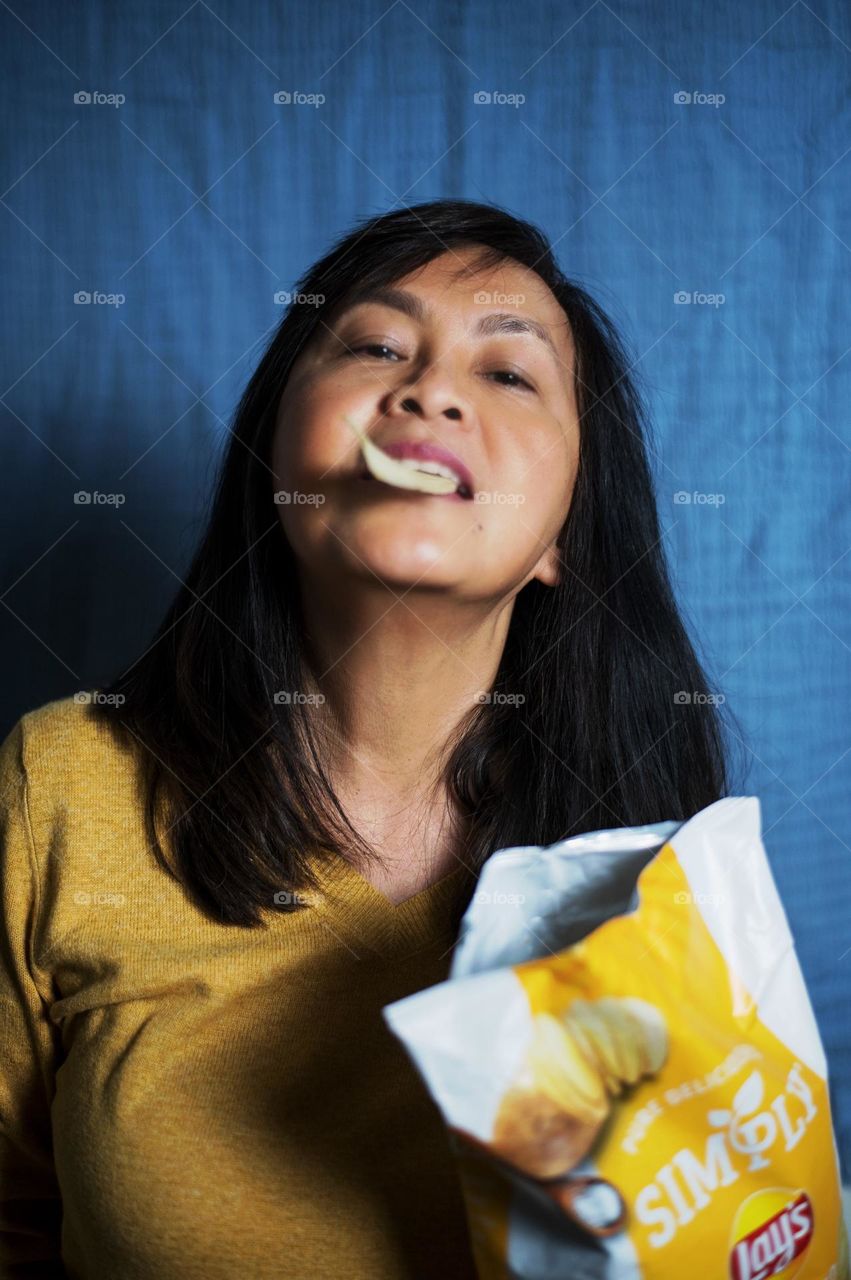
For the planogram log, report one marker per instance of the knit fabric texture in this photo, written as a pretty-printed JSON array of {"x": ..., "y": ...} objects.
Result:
[{"x": 181, "y": 1098}]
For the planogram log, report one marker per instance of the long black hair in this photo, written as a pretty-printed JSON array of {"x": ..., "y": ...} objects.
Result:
[{"x": 617, "y": 725}]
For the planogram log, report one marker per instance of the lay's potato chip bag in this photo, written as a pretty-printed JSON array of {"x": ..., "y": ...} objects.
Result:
[{"x": 629, "y": 1066}]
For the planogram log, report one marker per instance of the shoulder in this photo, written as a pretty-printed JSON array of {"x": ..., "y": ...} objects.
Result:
[
  {"x": 66, "y": 736},
  {"x": 74, "y": 842},
  {"x": 68, "y": 759}
]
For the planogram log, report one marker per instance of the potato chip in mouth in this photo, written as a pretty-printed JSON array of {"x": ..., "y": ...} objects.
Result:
[{"x": 395, "y": 471}]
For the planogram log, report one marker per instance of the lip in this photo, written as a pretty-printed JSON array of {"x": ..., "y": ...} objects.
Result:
[{"x": 429, "y": 451}]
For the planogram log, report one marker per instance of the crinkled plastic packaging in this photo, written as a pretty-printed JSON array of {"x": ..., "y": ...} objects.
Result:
[{"x": 627, "y": 1060}]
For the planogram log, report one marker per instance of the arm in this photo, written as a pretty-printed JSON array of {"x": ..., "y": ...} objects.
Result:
[{"x": 30, "y": 1203}]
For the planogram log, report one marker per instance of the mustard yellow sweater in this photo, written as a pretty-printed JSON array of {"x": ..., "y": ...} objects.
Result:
[{"x": 181, "y": 1100}]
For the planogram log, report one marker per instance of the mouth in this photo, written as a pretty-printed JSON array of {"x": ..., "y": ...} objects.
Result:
[
  {"x": 461, "y": 494},
  {"x": 428, "y": 458}
]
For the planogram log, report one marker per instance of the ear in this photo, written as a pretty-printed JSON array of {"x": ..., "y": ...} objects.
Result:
[{"x": 548, "y": 568}]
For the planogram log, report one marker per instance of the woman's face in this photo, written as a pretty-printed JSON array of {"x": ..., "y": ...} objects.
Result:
[{"x": 440, "y": 370}]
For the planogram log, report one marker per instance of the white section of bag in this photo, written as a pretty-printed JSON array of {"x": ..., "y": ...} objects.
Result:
[
  {"x": 467, "y": 1042},
  {"x": 522, "y": 888},
  {"x": 721, "y": 852}
]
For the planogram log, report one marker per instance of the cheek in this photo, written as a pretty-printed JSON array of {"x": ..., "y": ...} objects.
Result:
[
  {"x": 310, "y": 438},
  {"x": 519, "y": 524},
  {"x": 508, "y": 537},
  {"x": 299, "y": 457},
  {"x": 294, "y": 439},
  {"x": 547, "y": 484}
]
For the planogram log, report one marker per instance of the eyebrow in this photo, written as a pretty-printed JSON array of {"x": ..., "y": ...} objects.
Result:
[{"x": 413, "y": 307}]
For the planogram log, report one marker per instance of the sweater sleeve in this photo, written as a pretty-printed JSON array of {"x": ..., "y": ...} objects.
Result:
[{"x": 30, "y": 1203}]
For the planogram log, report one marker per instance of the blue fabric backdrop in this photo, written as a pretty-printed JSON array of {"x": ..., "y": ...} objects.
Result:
[{"x": 197, "y": 197}]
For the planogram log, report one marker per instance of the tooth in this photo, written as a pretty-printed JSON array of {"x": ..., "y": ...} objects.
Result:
[
  {"x": 398, "y": 472},
  {"x": 429, "y": 468}
]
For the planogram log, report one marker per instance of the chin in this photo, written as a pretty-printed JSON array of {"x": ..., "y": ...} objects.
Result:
[
  {"x": 403, "y": 558},
  {"x": 421, "y": 563}
]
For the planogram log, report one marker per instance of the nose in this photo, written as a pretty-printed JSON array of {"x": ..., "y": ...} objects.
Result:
[
  {"x": 410, "y": 405},
  {"x": 430, "y": 396}
]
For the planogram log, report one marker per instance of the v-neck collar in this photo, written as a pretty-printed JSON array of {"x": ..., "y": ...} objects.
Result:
[{"x": 368, "y": 919}]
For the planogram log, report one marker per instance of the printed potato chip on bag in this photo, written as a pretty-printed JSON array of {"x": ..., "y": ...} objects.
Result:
[{"x": 628, "y": 1062}]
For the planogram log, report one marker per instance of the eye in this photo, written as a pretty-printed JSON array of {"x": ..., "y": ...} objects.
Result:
[
  {"x": 514, "y": 386},
  {"x": 373, "y": 346},
  {"x": 377, "y": 347}
]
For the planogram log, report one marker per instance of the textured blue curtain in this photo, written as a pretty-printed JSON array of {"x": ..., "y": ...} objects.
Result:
[{"x": 692, "y": 164}]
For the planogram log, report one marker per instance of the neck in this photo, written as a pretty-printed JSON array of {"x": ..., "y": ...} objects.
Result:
[{"x": 398, "y": 678}]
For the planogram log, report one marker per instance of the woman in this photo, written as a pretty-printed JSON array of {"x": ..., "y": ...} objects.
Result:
[{"x": 219, "y": 869}]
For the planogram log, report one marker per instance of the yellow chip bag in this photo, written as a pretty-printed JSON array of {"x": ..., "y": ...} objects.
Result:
[{"x": 629, "y": 1066}]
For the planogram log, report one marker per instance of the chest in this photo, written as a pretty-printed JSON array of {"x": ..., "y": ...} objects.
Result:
[
  {"x": 411, "y": 855},
  {"x": 272, "y": 1127}
]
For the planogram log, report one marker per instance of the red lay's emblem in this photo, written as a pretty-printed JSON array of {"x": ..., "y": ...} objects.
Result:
[{"x": 771, "y": 1231}]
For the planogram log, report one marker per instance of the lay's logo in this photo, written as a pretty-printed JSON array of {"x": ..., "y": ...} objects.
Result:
[{"x": 771, "y": 1230}]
